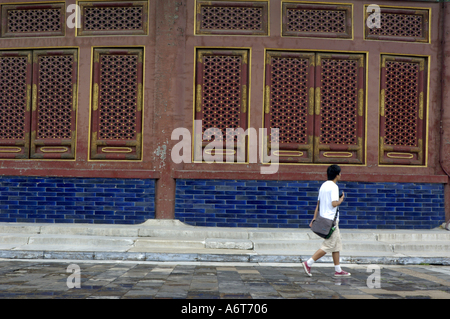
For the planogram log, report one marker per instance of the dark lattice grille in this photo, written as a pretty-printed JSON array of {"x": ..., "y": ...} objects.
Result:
[
  {"x": 399, "y": 25},
  {"x": 289, "y": 90},
  {"x": 55, "y": 96},
  {"x": 113, "y": 18},
  {"x": 221, "y": 93},
  {"x": 339, "y": 98},
  {"x": 401, "y": 109},
  {"x": 231, "y": 18},
  {"x": 307, "y": 20},
  {"x": 118, "y": 94},
  {"x": 34, "y": 20},
  {"x": 13, "y": 97}
]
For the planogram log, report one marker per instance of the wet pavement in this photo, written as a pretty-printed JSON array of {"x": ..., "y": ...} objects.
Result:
[{"x": 23, "y": 279}]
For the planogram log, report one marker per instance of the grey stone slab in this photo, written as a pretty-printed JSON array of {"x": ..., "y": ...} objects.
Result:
[
  {"x": 223, "y": 258},
  {"x": 119, "y": 256},
  {"x": 166, "y": 257}
]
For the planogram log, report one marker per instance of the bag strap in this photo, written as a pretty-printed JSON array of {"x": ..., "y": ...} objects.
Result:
[{"x": 335, "y": 215}]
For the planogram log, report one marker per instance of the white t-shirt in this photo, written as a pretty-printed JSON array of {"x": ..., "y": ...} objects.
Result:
[{"x": 328, "y": 192}]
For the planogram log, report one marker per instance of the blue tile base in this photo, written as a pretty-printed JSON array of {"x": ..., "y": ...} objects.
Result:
[
  {"x": 291, "y": 204},
  {"x": 76, "y": 200}
]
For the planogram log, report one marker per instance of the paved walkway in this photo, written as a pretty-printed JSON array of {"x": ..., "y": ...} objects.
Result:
[{"x": 129, "y": 280}]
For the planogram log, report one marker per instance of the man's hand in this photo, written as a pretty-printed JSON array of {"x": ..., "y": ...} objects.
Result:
[{"x": 310, "y": 224}]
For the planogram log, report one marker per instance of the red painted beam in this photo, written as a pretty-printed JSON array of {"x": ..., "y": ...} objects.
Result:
[
  {"x": 86, "y": 173},
  {"x": 298, "y": 176}
]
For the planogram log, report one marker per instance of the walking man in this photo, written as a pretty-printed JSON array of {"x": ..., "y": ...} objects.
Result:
[{"x": 327, "y": 206}]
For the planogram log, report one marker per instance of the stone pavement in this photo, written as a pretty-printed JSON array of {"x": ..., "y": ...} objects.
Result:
[{"x": 46, "y": 279}]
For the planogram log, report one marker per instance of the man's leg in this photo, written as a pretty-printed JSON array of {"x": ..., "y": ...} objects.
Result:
[
  {"x": 307, "y": 265},
  {"x": 336, "y": 258},
  {"x": 318, "y": 254},
  {"x": 336, "y": 261},
  {"x": 337, "y": 267}
]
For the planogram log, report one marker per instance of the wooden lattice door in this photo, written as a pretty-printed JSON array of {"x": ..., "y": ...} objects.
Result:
[
  {"x": 402, "y": 111},
  {"x": 116, "y": 129},
  {"x": 221, "y": 101}
]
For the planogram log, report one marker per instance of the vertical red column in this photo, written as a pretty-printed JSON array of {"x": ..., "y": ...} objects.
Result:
[
  {"x": 168, "y": 98},
  {"x": 445, "y": 119}
]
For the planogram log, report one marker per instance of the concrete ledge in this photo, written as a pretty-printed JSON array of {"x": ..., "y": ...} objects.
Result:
[
  {"x": 160, "y": 242},
  {"x": 225, "y": 243}
]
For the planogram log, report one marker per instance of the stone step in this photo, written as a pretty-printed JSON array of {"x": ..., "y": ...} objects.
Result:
[
  {"x": 226, "y": 243},
  {"x": 194, "y": 233},
  {"x": 435, "y": 246},
  {"x": 66, "y": 240},
  {"x": 76, "y": 240},
  {"x": 176, "y": 229},
  {"x": 161, "y": 242},
  {"x": 14, "y": 239},
  {"x": 308, "y": 242},
  {"x": 413, "y": 237},
  {"x": 313, "y": 245}
]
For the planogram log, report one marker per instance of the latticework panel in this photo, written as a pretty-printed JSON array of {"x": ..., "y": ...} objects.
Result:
[
  {"x": 288, "y": 96},
  {"x": 15, "y": 103},
  {"x": 221, "y": 95},
  {"x": 402, "y": 110},
  {"x": 289, "y": 103},
  {"x": 103, "y": 18},
  {"x": 118, "y": 97},
  {"x": 13, "y": 97},
  {"x": 400, "y": 25},
  {"x": 33, "y": 20},
  {"x": 54, "y": 103},
  {"x": 117, "y": 104},
  {"x": 317, "y": 20},
  {"x": 218, "y": 17},
  {"x": 339, "y": 108},
  {"x": 55, "y": 91},
  {"x": 339, "y": 99},
  {"x": 401, "y": 107}
]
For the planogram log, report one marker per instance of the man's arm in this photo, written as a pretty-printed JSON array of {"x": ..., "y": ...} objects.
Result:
[
  {"x": 336, "y": 203},
  {"x": 315, "y": 214}
]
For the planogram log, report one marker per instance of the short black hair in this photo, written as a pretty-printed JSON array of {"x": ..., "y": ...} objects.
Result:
[{"x": 333, "y": 171}]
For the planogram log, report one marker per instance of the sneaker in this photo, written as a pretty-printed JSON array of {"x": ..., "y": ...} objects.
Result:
[
  {"x": 307, "y": 269},
  {"x": 342, "y": 274}
]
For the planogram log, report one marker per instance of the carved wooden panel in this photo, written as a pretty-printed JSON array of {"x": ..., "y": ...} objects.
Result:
[
  {"x": 113, "y": 18},
  {"x": 15, "y": 103},
  {"x": 53, "y": 129},
  {"x": 117, "y": 104},
  {"x": 29, "y": 20},
  {"x": 289, "y": 104},
  {"x": 222, "y": 95},
  {"x": 232, "y": 17},
  {"x": 399, "y": 24},
  {"x": 317, "y": 20},
  {"x": 403, "y": 110},
  {"x": 317, "y": 101},
  {"x": 339, "y": 104}
]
